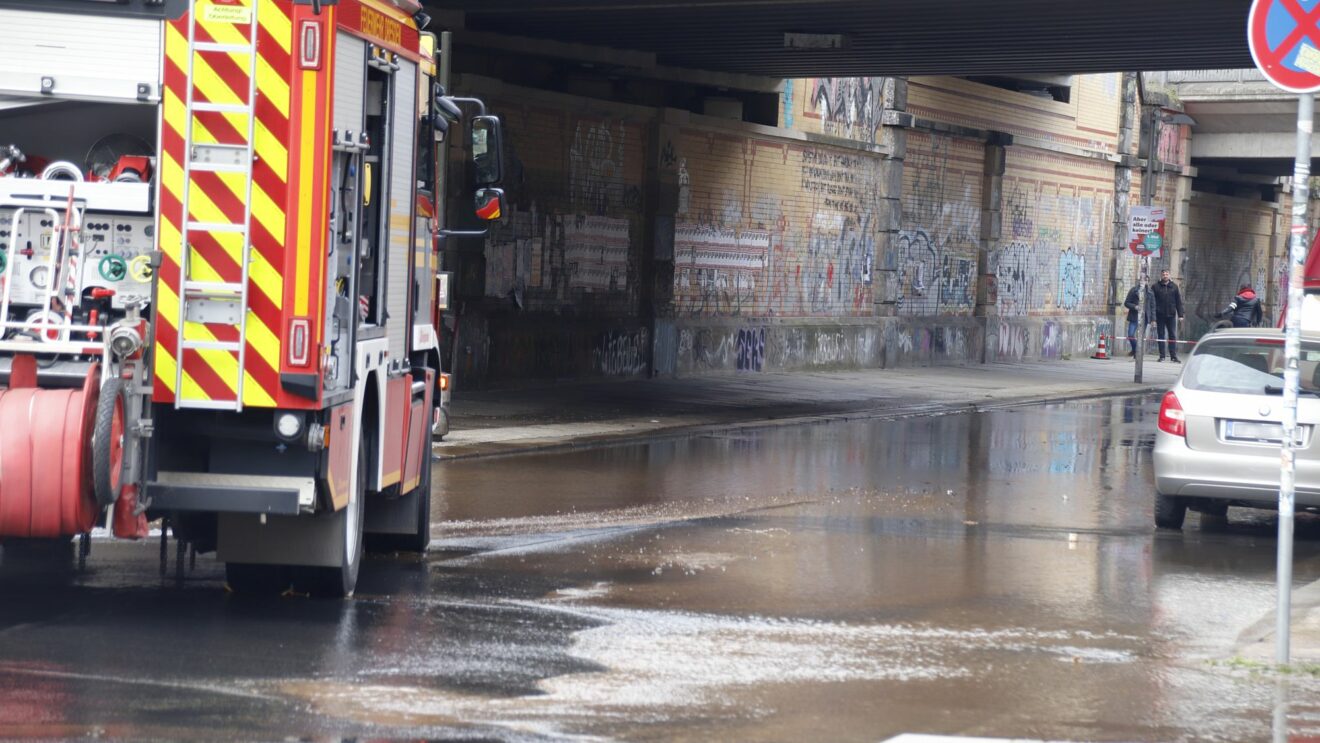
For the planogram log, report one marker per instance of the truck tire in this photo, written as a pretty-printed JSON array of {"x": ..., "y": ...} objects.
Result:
[
  {"x": 108, "y": 443},
  {"x": 340, "y": 582},
  {"x": 1170, "y": 511}
]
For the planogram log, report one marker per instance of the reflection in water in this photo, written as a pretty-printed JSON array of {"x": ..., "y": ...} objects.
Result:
[
  {"x": 991, "y": 574},
  {"x": 1029, "y": 520}
]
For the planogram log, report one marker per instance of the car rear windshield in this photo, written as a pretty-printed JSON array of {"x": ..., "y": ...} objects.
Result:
[{"x": 1247, "y": 366}]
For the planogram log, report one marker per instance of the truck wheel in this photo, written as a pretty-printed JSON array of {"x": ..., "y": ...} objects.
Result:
[
  {"x": 108, "y": 443},
  {"x": 341, "y": 581},
  {"x": 1169, "y": 511},
  {"x": 256, "y": 580}
]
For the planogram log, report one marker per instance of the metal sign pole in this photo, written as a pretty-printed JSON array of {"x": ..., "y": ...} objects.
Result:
[
  {"x": 1291, "y": 378},
  {"x": 1143, "y": 264}
]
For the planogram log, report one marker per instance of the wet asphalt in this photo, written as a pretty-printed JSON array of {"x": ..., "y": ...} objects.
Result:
[{"x": 991, "y": 574}]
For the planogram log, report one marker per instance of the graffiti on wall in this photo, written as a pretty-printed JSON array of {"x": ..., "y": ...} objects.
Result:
[
  {"x": 716, "y": 271},
  {"x": 621, "y": 353},
  {"x": 1051, "y": 253},
  {"x": 850, "y": 107},
  {"x": 1229, "y": 249},
  {"x": 839, "y": 262},
  {"x": 932, "y": 281},
  {"x": 532, "y": 250},
  {"x": 935, "y": 255},
  {"x": 792, "y": 232},
  {"x": 596, "y": 181},
  {"x": 750, "y": 344},
  {"x": 1072, "y": 279},
  {"x": 512, "y": 248},
  {"x": 596, "y": 252}
]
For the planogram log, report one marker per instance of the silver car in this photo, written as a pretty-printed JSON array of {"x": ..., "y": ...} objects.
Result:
[{"x": 1220, "y": 427}]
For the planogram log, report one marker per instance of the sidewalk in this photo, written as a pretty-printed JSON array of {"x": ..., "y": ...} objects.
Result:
[
  {"x": 495, "y": 422},
  {"x": 1256, "y": 643}
]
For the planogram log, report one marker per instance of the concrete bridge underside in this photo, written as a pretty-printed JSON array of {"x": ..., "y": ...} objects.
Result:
[{"x": 840, "y": 38}]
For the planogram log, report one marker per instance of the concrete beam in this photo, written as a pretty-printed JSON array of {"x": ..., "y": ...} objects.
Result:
[
  {"x": 1243, "y": 145},
  {"x": 622, "y": 61},
  {"x": 1234, "y": 175}
]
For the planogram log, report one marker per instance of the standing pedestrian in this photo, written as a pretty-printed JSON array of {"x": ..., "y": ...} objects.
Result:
[
  {"x": 1245, "y": 310},
  {"x": 1168, "y": 312},
  {"x": 1133, "y": 303}
]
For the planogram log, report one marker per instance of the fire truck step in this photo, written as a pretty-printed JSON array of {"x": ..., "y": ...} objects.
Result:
[
  {"x": 216, "y": 289},
  {"x": 219, "y": 167},
  {"x": 222, "y": 108},
  {"x": 215, "y": 227},
  {"x": 210, "y": 46},
  {"x": 207, "y": 404},
  {"x": 212, "y": 345}
]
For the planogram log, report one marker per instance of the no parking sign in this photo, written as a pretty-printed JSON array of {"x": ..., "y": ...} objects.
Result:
[{"x": 1284, "y": 36}]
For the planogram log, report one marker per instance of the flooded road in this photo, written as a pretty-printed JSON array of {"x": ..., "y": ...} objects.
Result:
[{"x": 992, "y": 574}]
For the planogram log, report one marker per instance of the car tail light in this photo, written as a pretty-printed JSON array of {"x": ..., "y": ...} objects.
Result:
[{"x": 1172, "y": 418}]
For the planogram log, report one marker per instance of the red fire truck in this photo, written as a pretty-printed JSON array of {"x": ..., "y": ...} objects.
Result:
[{"x": 217, "y": 276}]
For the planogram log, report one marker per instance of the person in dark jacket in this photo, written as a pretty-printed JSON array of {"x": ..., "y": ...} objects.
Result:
[
  {"x": 1131, "y": 303},
  {"x": 1245, "y": 310},
  {"x": 1168, "y": 311}
]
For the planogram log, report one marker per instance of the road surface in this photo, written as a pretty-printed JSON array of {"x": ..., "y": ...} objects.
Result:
[{"x": 992, "y": 574}]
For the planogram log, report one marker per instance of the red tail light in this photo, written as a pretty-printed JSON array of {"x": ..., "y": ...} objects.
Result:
[
  {"x": 1172, "y": 419},
  {"x": 299, "y": 344},
  {"x": 309, "y": 57}
]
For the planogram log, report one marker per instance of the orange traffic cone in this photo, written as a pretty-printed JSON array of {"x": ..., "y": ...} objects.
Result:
[{"x": 1102, "y": 352}]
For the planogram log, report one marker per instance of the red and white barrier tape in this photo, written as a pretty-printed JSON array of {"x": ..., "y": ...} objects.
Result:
[{"x": 1152, "y": 339}]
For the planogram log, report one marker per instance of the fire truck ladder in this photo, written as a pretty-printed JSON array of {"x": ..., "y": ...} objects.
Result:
[{"x": 216, "y": 303}]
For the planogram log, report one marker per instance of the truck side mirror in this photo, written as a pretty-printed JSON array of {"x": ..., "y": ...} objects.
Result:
[
  {"x": 490, "y": 204},
  {"x": 487, "y": 150}
]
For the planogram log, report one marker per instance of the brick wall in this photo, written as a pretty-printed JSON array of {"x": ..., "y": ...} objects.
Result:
[
  {"x": 935, "y": 257},
  {"x": 1230, "y": 243},
  {"x": 1052, "y": 256},
  {"x": 770, "y": 227},
  {"x": 572, "y": 237},
  {"x": 980, "y": 227}
]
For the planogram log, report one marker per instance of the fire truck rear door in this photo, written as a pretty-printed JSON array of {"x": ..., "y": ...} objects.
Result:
[{"x": 85, "y": 56}]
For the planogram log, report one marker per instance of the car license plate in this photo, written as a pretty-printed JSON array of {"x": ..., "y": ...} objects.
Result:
[{"x": 1261, "y": 432}]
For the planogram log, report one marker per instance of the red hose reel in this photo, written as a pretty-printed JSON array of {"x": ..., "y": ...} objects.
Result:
[{"x": 46, "y": 458}]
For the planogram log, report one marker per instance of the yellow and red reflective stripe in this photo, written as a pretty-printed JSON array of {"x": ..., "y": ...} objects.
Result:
[
  {"x": 309, "y": 207},
  {"x": 223, "y": 78}
]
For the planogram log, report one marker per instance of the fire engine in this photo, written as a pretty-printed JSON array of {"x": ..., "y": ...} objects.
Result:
[{"x": 218, "y": 264}]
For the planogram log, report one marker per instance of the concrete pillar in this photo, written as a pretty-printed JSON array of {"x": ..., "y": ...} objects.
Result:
[
  {"x": 992, "y": 221},
  {"x": 1279, "y": 236},
  {"x": 890, "y": 208},
  {"x": 1128, "y": 131},
  {"x": 1180, "y": 216},
  {"x": 660, "y": 197}
]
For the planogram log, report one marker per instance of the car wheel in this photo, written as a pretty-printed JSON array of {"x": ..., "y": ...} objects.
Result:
[{"x": 1169, "y": 511}]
